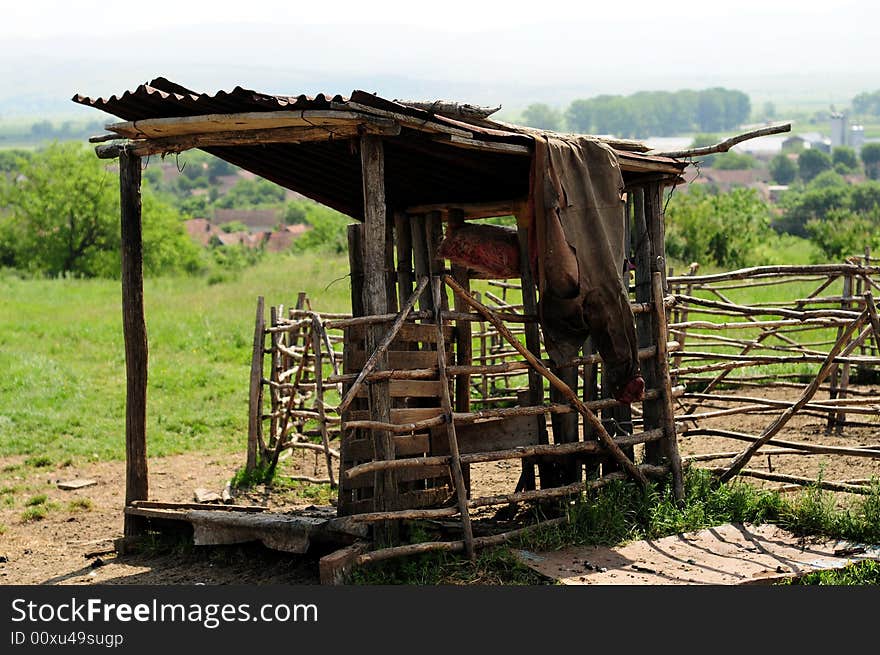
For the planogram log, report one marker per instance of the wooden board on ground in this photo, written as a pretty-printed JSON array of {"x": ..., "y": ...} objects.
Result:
[
  {"x": 73, "y": 485},
  {"x": 730, "y": 554}
]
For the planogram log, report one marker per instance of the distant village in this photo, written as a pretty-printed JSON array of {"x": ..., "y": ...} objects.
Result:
[{"x": 766, "y": 148}]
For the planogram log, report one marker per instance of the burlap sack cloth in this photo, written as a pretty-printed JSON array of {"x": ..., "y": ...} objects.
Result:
[{"x": 576, "y": 232}]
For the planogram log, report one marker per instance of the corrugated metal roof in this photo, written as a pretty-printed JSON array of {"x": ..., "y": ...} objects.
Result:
[{"x": 419, "y": 170}]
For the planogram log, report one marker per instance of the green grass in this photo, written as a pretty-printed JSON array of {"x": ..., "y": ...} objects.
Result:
[
  {"x": 36, "y": 513},
  {"x": 858, "y": 573},
  {"x": 622, "y": 512},
  {"x": 62, "y": 393},
  {"x": 39, "y": 499},
  {"x": 80, "y": 505}
]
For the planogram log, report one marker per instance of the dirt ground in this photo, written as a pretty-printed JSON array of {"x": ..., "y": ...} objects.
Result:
[{"x": 73, "y": 542}]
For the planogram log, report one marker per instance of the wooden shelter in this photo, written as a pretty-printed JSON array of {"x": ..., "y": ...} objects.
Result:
[{"x": 400, "y": 170}]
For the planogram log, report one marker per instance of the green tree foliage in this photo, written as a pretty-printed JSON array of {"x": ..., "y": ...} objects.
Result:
[
  {"x": 659, "y": 113},
  {"x": 782, "y": 169},
  {"x": 60, "y": 215},
  {"x": 867, "y": 104},
  {"x": 722, "y": 229},
  {"x": 542, "y": 116},
  {"x": 734, "y": 161},
  {"x": 252, "y": 193},
  {"x": 811, "y": 162},
  {"x": 843, "y": 232},
  {"x": 870, "y": 155},
  {"x": 826, "y": 196},
  {"x": 844, "y": 160}
]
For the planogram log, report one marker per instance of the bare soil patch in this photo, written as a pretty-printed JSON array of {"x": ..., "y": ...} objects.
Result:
[{"x": 60, "y": 548}]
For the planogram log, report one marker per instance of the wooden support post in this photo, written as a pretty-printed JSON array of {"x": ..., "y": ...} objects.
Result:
[
  {"x": 276, "y": 368},
  {"x": 533, "y": 344},
  {"x": 667, "y": 411},
  {"x": 463, "y": 340},
  {"x": 420, "y": 259},
  {"x": 376, "y": 302},
  {"x": 446, "y": 404},
  {"x": 840, "y": 374},
  {"x": 436, "y": 265},
  {"x": 356, "y": 267},
  {"x": 403, "y": 235},
  {"x": 134, "y": 331},
  {"x": 645, "y": 263},
  {"x": 255, "y": 445}
]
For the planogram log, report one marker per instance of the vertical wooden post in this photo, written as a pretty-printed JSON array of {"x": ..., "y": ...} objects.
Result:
[
  {"x": 404, "y": 257},
  {"x": 463, "y": 340},
  {"x": 421, "y": 259},
  {"x": 356, "y": 267},
  {"x": 376, "y": 302},
  {"x": 255, "y": 399},
  {"x": 277, "y": 367},
  {"x": 134, "y": 331},
  {"x": 390, "y": 272},
  {"x": 644, "y": 251},
  {"x": 434, "y": 234},
  {"x": 533, "y": 343}
]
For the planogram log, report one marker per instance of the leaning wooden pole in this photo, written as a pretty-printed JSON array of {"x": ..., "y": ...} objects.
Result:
[
  {"x": 134, "y": 331},
  {"x": 255, "y": 444},
  {"x": 570, "y": 395},
  {"x": 446, "y": 403},
  {"x": 830, "y": 361}
]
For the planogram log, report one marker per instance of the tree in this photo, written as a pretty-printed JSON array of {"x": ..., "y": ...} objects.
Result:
[
  {"x": 734, "y": 161},
  {"x": 871, "y": 159},
  {"x": 811, "y": 162},
  {"x": 252, "y": 193},
  {"x": 782, "y": 169},
  {"x": 579, "y": 116},
  {"x": 844, "y": 159},
  {"x": 843, "y": 232},
  {"x": 722, "y": 228},
  {"x": 543, "y": 117},
  {"x": 62, "y": 217}
]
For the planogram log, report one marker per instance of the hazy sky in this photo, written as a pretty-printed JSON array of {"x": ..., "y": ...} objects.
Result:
[{"x": 498, "y": 51}]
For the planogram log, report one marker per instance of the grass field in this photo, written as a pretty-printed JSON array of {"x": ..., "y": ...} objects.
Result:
[{"x": 62, "y": 390}]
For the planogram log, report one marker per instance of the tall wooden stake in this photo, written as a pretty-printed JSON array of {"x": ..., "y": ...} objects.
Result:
[
  {"x": 376, "y": 302},
  {"x": 134, "y": 331}
]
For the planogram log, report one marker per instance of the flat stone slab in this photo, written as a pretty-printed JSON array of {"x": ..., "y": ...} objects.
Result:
[
  {"x": 73, "y": 485},
  {"x": 730, "y": 554}
]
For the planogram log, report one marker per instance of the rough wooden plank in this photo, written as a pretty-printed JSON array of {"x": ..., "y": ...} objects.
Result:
[
  {"x": 732, "y": 554},
  {"x": 134, "y": 330},
  {"x": 333, "y": 569},
  {"x": 404, "y": 446},
  {"x": 410, "y": 389},
  {"x": 207, "y": 123},
  {"x": 409, "y": 333},
  {"x": 399, "y": 359},
  {"x": 498, "y": 434},
  {"x": 73, "y": 485},
  {"x": 399, "y": 415}
]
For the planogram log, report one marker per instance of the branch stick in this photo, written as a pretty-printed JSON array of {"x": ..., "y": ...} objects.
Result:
[
  {"x": 566, "y": 391},
  {"x": 727, "y": 144}
]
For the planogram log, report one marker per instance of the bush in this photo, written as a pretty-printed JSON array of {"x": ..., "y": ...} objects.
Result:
[
  {"x": 812, "y": 162},
  {"x": 723, "y": 228},
  {"x": 782, "y": 169}
]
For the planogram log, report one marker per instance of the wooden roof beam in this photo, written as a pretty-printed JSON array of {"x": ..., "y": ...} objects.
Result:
[{"x": 151, "y": 128}]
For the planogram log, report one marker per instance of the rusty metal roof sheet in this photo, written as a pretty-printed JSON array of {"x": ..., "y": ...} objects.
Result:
[{"x": 420, "y": 170}]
